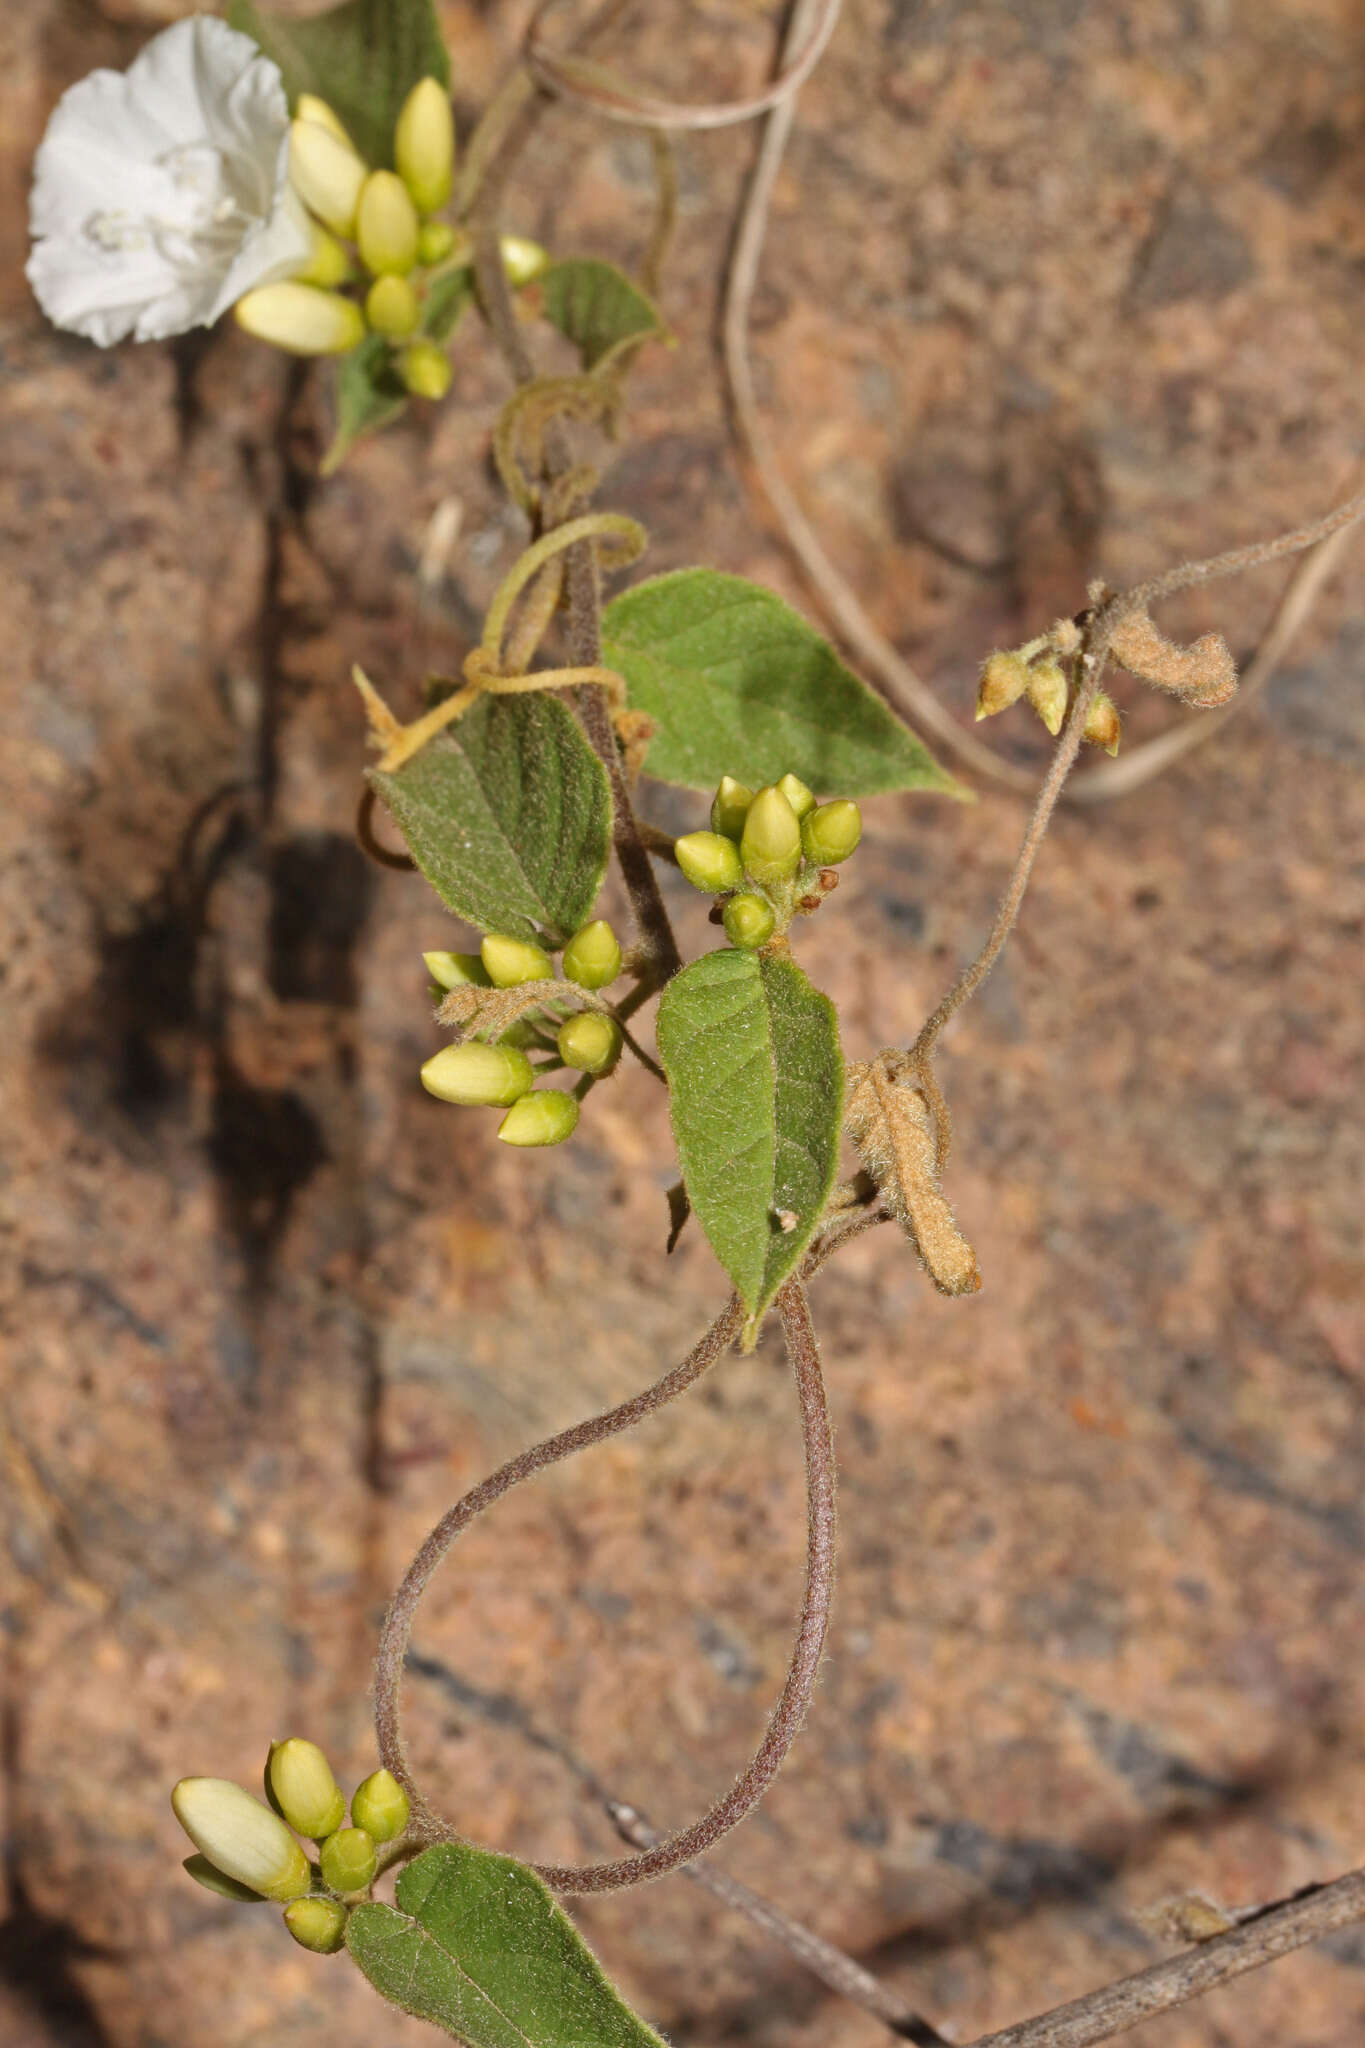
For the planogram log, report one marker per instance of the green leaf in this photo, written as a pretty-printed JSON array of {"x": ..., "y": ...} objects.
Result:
[
  {"x": 477, "y": 1945},
  {"x": 597, "y": 307},
  {"x": 508, "y": 815},
  {"x": 738, "y": 684},
  {"x": 449, "y": 292},
  {"x": 363, "y": 58},
  {"x": 369, "y": 393},
  {"x": 756, "y": 1082}
]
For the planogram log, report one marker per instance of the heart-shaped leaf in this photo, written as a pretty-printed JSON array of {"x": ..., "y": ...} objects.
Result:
[
  {"x": 508, "y": 815},
  {"x": 738, "y": 684},
  {"x": 756, "y": 1084},
  {"x": 477, "y": 1945},
  {"x": 597, "y": 307}
]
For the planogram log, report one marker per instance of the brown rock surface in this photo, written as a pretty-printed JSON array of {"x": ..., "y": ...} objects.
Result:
[{"x": 1051, "y": 291}]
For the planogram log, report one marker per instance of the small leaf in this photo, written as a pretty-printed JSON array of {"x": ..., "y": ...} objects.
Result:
[
  {"x": 738, "y": 684},
  {"x": 755, "y": 1075},
  {"x": 477, "y": 1945},
  {"x": 597, "y": 307},
  {"x": 369, "y": 394},
  {"x": 508, "y": 815},
  {"x": 449, "y": 292},
  {"x": 363, "y": 58}
]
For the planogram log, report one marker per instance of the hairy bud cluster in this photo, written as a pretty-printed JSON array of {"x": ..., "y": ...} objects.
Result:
[
  {"x": 493, "y": 1070},
  {"x": 247, "y": 1853},
  {"x": 374, "y": 224},
  {"x": 769, "y": 854}
]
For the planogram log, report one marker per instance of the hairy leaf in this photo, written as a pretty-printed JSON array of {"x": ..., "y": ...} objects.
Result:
[
  {"x": 597, "y": 307},
  {"x": 363, "y": 58},
  {"x": 369, "y": 393},
  {"x": 738, "y": 684},
  {"x": 508, "y": 815},
  {"x": 477, "y": 1945},
  {"x": 755, "y": 1076}
]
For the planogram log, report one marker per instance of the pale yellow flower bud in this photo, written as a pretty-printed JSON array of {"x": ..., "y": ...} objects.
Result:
[
  {"x": 317, "y": 1924},
  {"x": 386, "y": 225},
  {"x": 327, "y": 175},
  {"x": 301, "y": 319},
  {"x": 380, "y": 1806},
  {"x": 392, "y": 309},
  {"x": 240, "y": 1837},
  {"x": 425, "y": 369},
  {"x": 300, "y": 1786},
  {"x": 311, "y": 108},
  {"x": 424, "y": 145}
]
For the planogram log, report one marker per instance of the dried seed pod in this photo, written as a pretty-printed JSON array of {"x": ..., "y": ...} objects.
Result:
[
  {"x": 892, "y": 1128},
  {"x": 1204, "y": 674}
]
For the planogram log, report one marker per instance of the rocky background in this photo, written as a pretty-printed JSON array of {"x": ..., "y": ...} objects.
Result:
[{"x": 1052, "y": 290}]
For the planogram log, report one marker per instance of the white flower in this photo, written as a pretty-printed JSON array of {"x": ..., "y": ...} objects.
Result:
[{"x": 161, "y": 194}]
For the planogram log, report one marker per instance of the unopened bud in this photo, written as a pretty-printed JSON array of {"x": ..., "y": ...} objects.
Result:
[
  {"x": 1004, "y": 679},
  {"x": 1102, "y": 727},
  {"x": 203, "y": 1872},
  {"x": 457, "y": 970},
  {"x": 749, "y": 921},
  {"x": 311, "y": 108},
  {"x": 328, "y": 263},
  {"x": 478, "y": 1076},
  {"x": 770, "y": 849},
  {"x": 301, "y": 1788},
  {"x": 380, "y": 1806},
  {"x": 435, "y": 241},
  {"x": 590, "y": 1042},
  {"x": 512, "y": 961},
  {"x": 801, "y": 799},
  {"x": 301, "y": 319},
  {"x": 425, "y": 370},
  {"x": 392, "y": 308},
  {"x": 522, "y": 259},
  {"x": 386, "y": 225},
  {"x": 348, "y": 1859},
  {"x": 730, "y": 807},
  {"x": 709, "y": 861},
  {"x": 327, "y": 175},
  {"x": 240, "y": 1837},
  {"x": 546, "y": 1118},
  {"x": 424, "y": 145},
  {"x": 317, "y": 1924},
  {"x": 831, "y": 832},
  {"x": 1048, "y": 692},
  {"x": 592, "y": 957}
]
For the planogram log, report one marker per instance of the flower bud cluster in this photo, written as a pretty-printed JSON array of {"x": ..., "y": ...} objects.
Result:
[
  {"x": 374, "y": 232},
  {"x": 479, "y": 1074},
  {"x": 246, "y": 1851},
  {"x": 1036, "y": 671},
  {"x": 769, "y": 855}
]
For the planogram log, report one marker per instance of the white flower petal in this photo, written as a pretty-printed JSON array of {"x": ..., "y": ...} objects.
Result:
[
  {"x": 107, "y": 305},
  {"x": 276, "y": 249},
  {"x": 183, "y": 77}
]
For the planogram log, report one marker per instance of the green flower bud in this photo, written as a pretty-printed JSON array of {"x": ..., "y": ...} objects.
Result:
[
  {"x": 749, "y": 921},
  {"x": 328, "y": 263},
  {"x": 424, "y": 145},
  {"x": 392, "y": 308},
  {"x": 317, "y": 1924},
  {"x": 512, "y": 961},
  {"x": 729, "y": 807},
  {"x": 546, "y": 1118},
  {"x": 240, "y": 1837},
  {"x": 425, "y": 369},
  {"x": 831, "y": 833},
  {"x": 300, "y": 1786},
  {"x": 386, "y": 225},
  {"x": 348, "y": 1859},
  {"x": 522, "y": 259},
  {"x": 435, "y": 241},
  {"x": 457, "y": 970},
  {"x": 1047, "y": 693},
  {"x": 380, "y": 1806},
  {"x": 592, "y": 957},
  {"x": 590, "y": 1042},
  {"x": 327, "y": 175},
  {"x": 479, "y": 1076},
  {"x": 801, "y": 799},
  {"x": 708, "y": 860},
  {"x": 770, "y": 849},
  {"x": 1004, "y": 679},
  {"x": 203, "y": 1872},
  {"x": 311, "y": 108},
  {"x": 301, "y": 319}
]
